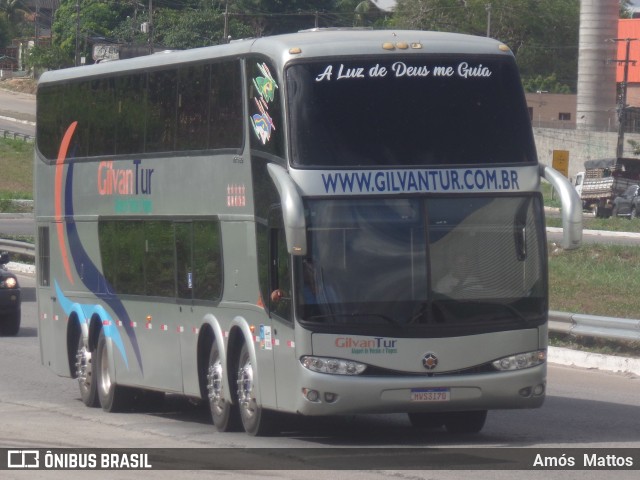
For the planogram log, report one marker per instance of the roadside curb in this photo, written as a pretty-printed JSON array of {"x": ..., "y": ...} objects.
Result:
[
  {"x": 18, "y": 120},
  {"x": 599, "y": 233},
  {"x": 597, "y": 361}
]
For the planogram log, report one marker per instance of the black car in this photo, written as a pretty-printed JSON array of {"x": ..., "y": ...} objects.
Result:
[
  {"x": 9, "y": 299},
  {"x": 627, "y": 204}
]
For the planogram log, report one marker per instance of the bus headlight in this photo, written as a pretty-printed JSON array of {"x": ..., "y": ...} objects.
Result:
[
  {"x": 521, "y": 360},
  {"x": 335, "y": 366}
]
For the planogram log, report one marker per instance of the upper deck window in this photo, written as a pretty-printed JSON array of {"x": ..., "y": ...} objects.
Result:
[
  {"x": 182, "y": 108},
  {"x": 411, "y": 111}
]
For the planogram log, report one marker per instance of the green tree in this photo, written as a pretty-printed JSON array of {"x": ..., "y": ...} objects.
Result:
[
  {"x": 13, "y": 20},
  {"x": 47, "y": 57},
  {"x": 543, "y": 34},
  {"x": 548, "y": 84},
  {"x": 95, "y": 21},
  {"x": 270, "y": 17},
  {"x": 195, "y": 28},
  {"x": 5, "y": 37}
]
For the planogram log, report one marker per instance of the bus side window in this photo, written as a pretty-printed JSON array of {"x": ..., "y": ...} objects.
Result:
[{"x": 279, "y": 270}]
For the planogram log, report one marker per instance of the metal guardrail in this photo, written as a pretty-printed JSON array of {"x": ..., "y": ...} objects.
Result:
[
  {"x": 16, "y": 135},
  {"x": 559, "y": 322},
  {"x": 594, "y": 326},
  {"x": 22, "y": 248}
]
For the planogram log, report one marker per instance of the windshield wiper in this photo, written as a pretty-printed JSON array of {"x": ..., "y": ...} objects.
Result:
[
  {"x": 420, "y": 314},
  {"x": 510, "y": 308},
  {"x": 438, "y": 314}
]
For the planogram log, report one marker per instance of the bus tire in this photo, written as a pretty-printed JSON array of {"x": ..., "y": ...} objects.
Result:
[
  {"x": 225, "y": 415},
  {"x": 426, "y": 419},
  {"x": 113, "y": 397},
  {"x": 256, "y": 420},
  {"x": 85, "y": 363},
  {"x": 465, "y": 422}
]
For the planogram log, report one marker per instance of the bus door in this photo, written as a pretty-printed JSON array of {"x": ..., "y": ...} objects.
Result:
[
  {"x": 51, "y": 324},
  {"x": 281, "y": 311}
]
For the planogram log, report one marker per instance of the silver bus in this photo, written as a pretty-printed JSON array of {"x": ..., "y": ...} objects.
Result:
[{"x": 321, "y": 223}]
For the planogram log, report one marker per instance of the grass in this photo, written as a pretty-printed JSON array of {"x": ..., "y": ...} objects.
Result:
[
  {"x": 619, "y": 224},
  {"x": 596, "y": 279},
  {"x": 16, "y": 171}
]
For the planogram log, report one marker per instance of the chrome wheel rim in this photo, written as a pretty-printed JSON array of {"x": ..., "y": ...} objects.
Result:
[
  {"x": 214, "y": 387},
  {"x": 246, "y": 398},
  {"x": 83, "y": 368}
]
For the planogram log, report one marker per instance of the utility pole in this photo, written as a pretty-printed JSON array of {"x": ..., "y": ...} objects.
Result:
[
  {"x": 226, "y": 23},
  {"x": 77, "y": 32},
  {"x": 622, "y": 105},
  {"x": 488, "y": 8},
  {"x": 35, "y": 21},
  {"x": 150, "y": 27}
]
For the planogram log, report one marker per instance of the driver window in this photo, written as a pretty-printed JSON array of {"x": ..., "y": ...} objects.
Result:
[{"x": 280, "y": 300}]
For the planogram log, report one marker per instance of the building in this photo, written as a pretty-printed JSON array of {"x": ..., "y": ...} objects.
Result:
[
  {"x": 629, "y": 29},
  {"x": 552, "y": 110},
  {"x": 42, "y": 12}
]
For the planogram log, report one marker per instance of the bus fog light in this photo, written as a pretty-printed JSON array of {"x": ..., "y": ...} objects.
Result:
[
  {"x": 520, "y": 361},
  {"x": 525, "y": 392},
  {"x": 336, "y": 366},
  {"x": 330, "y": 397},
  {"x": 311, "y": 395}
]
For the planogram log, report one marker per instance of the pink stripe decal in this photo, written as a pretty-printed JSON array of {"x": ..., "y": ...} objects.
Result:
[{"x": 62, "y": 155}]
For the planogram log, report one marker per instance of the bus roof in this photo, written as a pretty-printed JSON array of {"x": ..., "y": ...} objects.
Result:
[{"x": 315, "y": 43}]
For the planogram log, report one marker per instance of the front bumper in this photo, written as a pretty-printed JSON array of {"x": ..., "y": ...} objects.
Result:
[{"x": 340, "y": 394}]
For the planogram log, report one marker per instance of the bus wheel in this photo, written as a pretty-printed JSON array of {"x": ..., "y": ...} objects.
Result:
[
  {"x": 113, "y": 397},
  {"x": 255, "y": 420},
  {"x": 84, "y": 374},
  {"x": 465, "y": 422},
  {"x": 426, "y": 420},
  {"x": 224, "y": 414},
  {"x": 598, "y": 211}
]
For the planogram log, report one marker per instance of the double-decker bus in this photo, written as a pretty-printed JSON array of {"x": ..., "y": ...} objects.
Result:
[{"x": 320, "y": 223}]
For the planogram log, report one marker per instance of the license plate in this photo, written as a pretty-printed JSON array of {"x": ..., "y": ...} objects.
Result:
[{"x": 441, "y": 394}]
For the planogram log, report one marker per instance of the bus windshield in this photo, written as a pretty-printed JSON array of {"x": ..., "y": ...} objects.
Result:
[
  {"x": 427, "y": 110},
  {"x": 447, "y": 264}
]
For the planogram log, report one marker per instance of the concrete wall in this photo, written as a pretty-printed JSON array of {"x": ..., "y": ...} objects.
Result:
[{"x": 582, "y": 145}]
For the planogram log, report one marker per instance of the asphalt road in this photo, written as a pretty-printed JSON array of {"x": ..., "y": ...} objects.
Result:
[
  {"x": 17, "y": 112},
  {"x": 17, "y": 105},
  {"x": 12, "y": 225}
]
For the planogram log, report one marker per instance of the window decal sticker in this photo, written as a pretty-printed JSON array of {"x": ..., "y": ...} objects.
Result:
[
  {"x": 265, "y": 86},
  {"x": 401, "y": 69}
]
